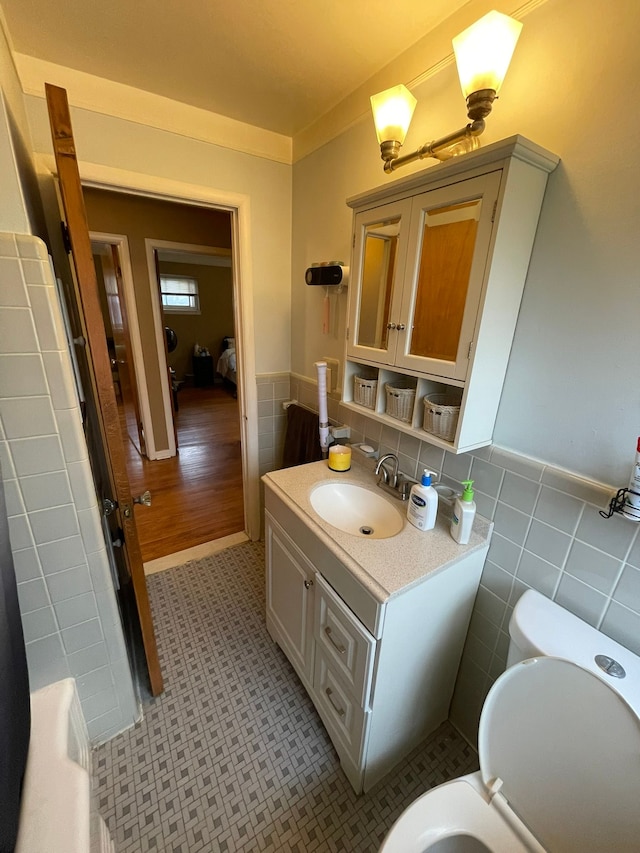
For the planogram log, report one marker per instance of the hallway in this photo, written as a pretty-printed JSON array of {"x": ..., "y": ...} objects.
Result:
[{"x": 197, "y": 496}]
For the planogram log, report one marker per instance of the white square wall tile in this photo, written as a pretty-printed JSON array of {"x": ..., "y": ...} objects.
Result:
[
  {"x": 38, "y": 624},
  {"x": 559, "y": 509},
  {"x": 42, "y": 491},
  {"x": 91, "y": 530},
  {"x": 487, "y": 477},
  {"x": 36, "y": 270},
  {"x": 627, "y": 591},
  {"x": 22, "y": 376},
  {"x": 62, "y": 554},
  {"x": 585, "y": 602},
  {"x": 74, "y": 445},
  {"x": 523, "y": 465},
  {"x": 590, "y": 565},
  {"x": 13, "y": 290},
  {"x": 32, "y": 247},
  {"x": 7, "y": 468},
  {"x": 13, "y": 498},
  {"x": 82, "y": 485},
  {"x": 20, "y": 533},
  {"x": 60, "y": 379},
  {"x": 47, "y": 661},
  {"x": 511, "y": 523},
  {"x": 519, "y": 492},
  {"x": 8, "y": 247},
  {"x": 17, "y": 332},
  {"x": 47, "y": 318},
  {"x": 612, "y": 535},
  {"x": 622, "y": 625},
  {"x": 36, "y": 455},
  {"x": 73, "y": 611},
  {"x": 25, "y": 417},
  {"x": 48, "y": 525},
  {"x": 547, "y": 542}
]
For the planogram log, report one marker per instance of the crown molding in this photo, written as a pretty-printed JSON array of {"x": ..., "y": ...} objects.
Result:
[{"x": 88, "y": 92}]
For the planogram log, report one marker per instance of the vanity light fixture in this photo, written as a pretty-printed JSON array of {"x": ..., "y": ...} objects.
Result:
[{"x": 483, "y": 52}]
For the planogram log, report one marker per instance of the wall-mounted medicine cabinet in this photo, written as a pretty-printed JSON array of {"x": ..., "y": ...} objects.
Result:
[{"x": 439, "y": 264}]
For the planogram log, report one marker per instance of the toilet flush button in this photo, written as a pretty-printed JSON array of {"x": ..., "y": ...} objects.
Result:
[{"x": 610, "y": 666}]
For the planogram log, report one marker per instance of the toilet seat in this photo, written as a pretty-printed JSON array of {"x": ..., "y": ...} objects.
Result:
[
  {"x": 559, "y": 762},
  {"x": 453, "y": 809}
]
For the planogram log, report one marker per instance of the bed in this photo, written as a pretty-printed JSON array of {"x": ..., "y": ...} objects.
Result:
[{"x": 226, "y": 365}]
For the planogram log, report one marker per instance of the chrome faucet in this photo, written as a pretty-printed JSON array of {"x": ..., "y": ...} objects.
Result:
[{"x": 389, "y": 477}]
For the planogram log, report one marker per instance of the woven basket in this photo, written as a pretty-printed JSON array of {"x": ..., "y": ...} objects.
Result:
[
  {"x": 441, "y": 413},
  {"x": 364, "y": 391},
  {"x": 400, "y": 400}
]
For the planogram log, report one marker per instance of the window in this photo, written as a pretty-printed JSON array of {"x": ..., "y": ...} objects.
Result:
[{"x": 179, "y": 294}]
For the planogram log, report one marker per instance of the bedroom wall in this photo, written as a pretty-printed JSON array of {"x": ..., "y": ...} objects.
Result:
[
  {"x": 139, "y": 218},
  {"x": 212, "y": 324}
]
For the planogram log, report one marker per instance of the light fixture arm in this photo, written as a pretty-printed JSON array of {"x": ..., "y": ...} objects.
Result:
[{"x": 437, "y": 148}]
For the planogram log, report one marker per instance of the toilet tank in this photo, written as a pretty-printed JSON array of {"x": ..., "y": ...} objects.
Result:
[{"x": 539, "y": 627}]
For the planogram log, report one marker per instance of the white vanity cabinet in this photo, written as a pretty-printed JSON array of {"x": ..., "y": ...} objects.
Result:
[
  {"x": 438, "y": 269},
  {"x": 380, "y": 669}
]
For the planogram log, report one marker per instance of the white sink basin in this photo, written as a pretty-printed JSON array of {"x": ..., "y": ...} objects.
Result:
[{"x": 356, "y": 510}]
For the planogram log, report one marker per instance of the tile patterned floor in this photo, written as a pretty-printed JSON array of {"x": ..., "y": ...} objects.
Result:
[{"x": 233, "y": 757}]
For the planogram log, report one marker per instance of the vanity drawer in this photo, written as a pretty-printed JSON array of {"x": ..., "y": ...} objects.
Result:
[
  {"x": 344, "y": 640},
  {"x": 343, "y": 717}
]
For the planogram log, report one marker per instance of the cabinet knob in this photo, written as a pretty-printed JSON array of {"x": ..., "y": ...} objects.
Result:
[
  {"x": 391, "y": 325},
  {"x": 401, "y": 327},
  {"x": 308, "y": 584}
]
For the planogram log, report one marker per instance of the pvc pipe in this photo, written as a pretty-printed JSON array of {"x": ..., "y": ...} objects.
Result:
[{"x": 321, "y": 367}]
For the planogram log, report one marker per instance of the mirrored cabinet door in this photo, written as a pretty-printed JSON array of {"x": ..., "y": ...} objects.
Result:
[
  {"x": 380, "y": 253},
  {"x": 451, "y": 232}
]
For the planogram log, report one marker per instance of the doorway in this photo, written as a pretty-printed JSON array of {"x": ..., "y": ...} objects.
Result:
[{"x": 197, "y": 493}]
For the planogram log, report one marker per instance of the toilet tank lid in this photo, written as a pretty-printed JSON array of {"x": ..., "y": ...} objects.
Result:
[{"x": 540, "y": 624}]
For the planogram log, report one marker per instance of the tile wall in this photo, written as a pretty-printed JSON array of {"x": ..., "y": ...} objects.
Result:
[
  {"x": 273, "y": 390},
  {"x": 69, "y": 611},
  {"x": 548, "y": 535}
]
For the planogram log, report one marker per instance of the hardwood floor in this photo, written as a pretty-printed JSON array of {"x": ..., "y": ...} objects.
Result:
[{"x": 197, "y": 495}]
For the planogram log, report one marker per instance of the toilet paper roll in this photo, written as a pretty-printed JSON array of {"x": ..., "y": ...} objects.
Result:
[{"x": 339, "y": 457}]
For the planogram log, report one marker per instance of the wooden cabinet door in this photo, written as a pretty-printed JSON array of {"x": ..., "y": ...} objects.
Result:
[{"x": 449, "y": 255}]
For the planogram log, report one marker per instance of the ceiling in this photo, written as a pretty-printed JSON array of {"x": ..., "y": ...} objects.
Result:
[{"x": 275, "y": 64}]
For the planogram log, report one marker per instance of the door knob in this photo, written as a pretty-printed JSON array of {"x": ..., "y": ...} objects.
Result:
[
  {"x": 144, "y": 498},
  {"x": 401, "y": 327},
  {"x": 391, "y": 325},
  {"x": 308, "y": 584}
]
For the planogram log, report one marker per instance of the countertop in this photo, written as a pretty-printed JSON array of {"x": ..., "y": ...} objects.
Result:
[{"x": 385, "y": 567}]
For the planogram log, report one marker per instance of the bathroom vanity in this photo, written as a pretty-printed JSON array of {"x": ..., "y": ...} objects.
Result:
[{"x": 373, "y": 627}]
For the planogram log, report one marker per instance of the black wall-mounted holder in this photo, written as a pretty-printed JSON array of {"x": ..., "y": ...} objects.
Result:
[{"x": 616, "y": 504}]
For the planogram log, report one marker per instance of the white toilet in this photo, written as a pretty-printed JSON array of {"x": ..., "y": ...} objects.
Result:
[{"x": 559, "y": 748}]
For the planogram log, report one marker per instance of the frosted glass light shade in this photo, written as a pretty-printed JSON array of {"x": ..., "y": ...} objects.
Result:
[
  {"x": 483, "y": 52},
  {"x": 392, "y": 113}
]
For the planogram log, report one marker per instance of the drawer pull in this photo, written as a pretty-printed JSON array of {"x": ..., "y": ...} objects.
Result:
[
  {"x": 337, "y": 708},
  {"x": 308, "y": 584},
  {"x": 339, "y": 648}
]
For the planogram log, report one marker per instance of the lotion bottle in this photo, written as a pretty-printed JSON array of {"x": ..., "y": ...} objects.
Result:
[
  {"x": 632, "y": 500},
  {"x": 464, "y": 510},
  {"x": 423, "y": 503}
]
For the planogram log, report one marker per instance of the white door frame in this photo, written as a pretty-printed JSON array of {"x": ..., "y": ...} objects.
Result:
[
  {"x": 150, "y": 245},
  {"x": 128, "y": 291},
  {"x": 239, "y": 206}
]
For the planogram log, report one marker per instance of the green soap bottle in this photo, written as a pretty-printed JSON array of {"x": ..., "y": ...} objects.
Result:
[{"x": 464, "y": 511}]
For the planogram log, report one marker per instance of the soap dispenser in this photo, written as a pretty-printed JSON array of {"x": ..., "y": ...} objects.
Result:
[
  {"x": 464, "y": 510},
  {"x": 423, "y": 503}
]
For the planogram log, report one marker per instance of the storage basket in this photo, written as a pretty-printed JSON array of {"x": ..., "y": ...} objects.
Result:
[
  {"x": 441, "y": 413},
  {"x": 400, "y": 397},
  {"x": 364, "y": 391}
]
